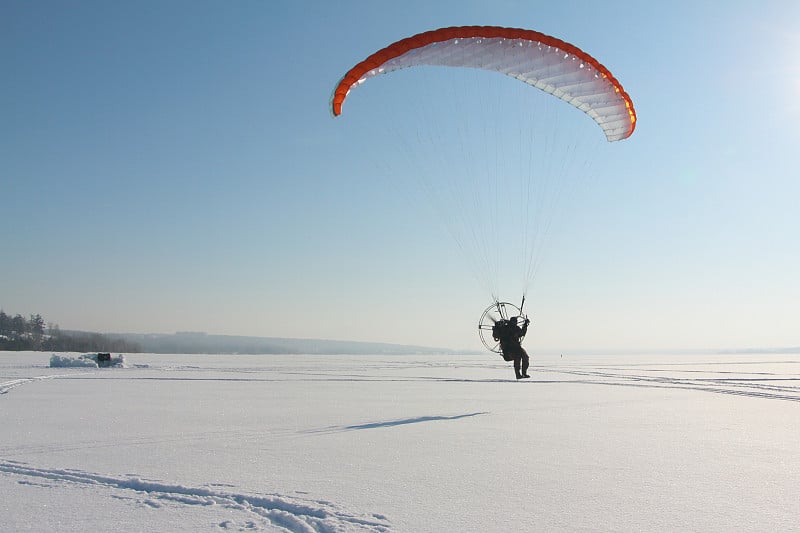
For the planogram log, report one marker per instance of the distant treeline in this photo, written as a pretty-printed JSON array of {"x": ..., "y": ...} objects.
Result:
[{"x": 18, "y": 333}]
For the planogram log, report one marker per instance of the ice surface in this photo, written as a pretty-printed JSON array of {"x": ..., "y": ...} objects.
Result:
[{"x": 402, "y": 443}]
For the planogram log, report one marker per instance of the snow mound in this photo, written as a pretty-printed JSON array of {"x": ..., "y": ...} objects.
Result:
[{"x": 85, "y": 360}]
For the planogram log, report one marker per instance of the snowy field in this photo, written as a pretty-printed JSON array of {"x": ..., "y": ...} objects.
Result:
[{"x": 401, "y": 443}]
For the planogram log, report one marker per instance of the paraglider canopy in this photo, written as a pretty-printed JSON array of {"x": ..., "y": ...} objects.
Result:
[{"x": 547, "y": 63}]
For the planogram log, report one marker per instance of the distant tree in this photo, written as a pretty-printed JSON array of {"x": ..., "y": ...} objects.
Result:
[
  {"x": 36, "y": 329},
  {"x": 19, "y": 326},
  {"x": 5, "y": 323},
  {"x": 15, "y": 333},
  {"x": 36, "y": 324}
]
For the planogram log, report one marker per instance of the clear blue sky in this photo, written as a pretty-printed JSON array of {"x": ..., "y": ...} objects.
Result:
[{"x": 171, "y": 166}]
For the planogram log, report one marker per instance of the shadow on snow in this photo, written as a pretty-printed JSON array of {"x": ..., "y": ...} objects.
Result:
[{"x": 392, "y": 423}]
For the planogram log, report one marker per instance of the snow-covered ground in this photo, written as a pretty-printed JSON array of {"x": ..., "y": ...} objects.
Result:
[{"x": 401, "y": 443}]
